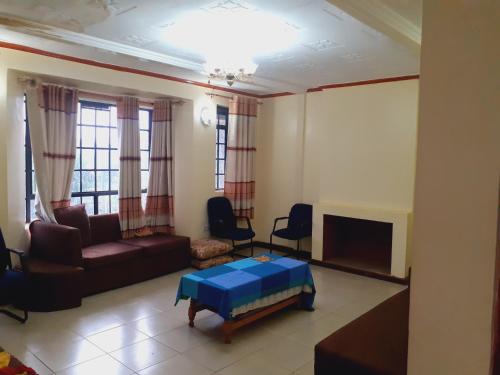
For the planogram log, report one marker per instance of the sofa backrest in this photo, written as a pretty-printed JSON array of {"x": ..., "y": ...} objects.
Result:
[
  {"x": 76, "y": 217},
  {"x": 105, "y": 228}
]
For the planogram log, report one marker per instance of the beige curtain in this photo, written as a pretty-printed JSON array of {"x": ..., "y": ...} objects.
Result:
[
  {"x": 239, "y": 181},
  {"x": 52, "y": 123},
  {"x": 129, "y": 193},
  {"x": 160, "y": 199}
]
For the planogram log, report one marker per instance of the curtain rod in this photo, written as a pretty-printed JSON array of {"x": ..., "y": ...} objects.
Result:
[
  {"x": 211, "y": 94},
  {"x": 96, "y": 95}
]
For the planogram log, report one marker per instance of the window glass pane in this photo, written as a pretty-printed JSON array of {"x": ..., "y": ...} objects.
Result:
[
  {"x": 222, "y": 149},
  {"x": 77, "y": 159},
  {"x": 89, "y": 204},
  {"x": 221, "y": 181},
  {"x": 88, "y": 159},
  {"x": 143, "y": 199},
  {"x": 144, "y": 160},
  {"x": 144, "y": 179},
  {"x": 88, "y": 136},
  {"x": 78, "y": 131},
  {"x": 75, "y": 183},
  {"x": 78, "y": 114},
  {"x": 114, "y": 203},
  {"x": 222, "y": 136},
  {"x": 144, "y": 119},
  {"x": 221, "y": 166},
  {"x": 102, "y": 117},
  {"x": 88, "y": 116},
  {"x": 115, "y": 159},
  {"x": 112, "y": 116},
  {"x": 32, "y": 209},
  {"x": 88, "y": 181},
  {"x": 103, "y": 204},
  {"x": 102, "y": 159},
  {"x": 115, "y": 180},
  {"x": 222, "y": 120},
  {"x": 216, "y": 181},
  {"x": 33, "y": 183},
  {"x": 144, "y": 140},
  {"x": 75, "y": 201},
  {"x": 102, "y": 181},
  {"x": 113, "y": 138},
  {"x": 102, "y": 137}
]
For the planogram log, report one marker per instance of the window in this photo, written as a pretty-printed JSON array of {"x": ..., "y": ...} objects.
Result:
[
  {"x": 220, "y": 146},
  {"x": 96, "y": 175}
]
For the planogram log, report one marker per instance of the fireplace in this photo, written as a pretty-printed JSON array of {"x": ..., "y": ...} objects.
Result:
[
  {"x": 368, "y": 240},
  {"x": 360, "y": 244}
]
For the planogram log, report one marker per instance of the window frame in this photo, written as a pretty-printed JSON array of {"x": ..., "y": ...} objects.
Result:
[
  {"x": 221, "y": 111},
  {"x": 95, "y": 105}
]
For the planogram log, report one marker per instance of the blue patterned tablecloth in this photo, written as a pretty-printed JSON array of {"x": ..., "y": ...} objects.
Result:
[{"x": 232, "y": 285}]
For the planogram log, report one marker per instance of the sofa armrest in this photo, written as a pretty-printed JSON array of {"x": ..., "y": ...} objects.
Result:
[{"x": 56, "y": 243}]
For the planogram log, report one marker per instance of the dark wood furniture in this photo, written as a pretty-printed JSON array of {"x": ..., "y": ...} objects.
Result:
[{"x": 376, "y": 343}]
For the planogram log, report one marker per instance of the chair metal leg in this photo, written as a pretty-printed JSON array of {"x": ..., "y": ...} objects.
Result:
[
  {"x": 251, "y": 246},
  {"x": 271, "y": 243},
  {"x": 15, "y": 316},
  {"x": 298, "y": 249}
]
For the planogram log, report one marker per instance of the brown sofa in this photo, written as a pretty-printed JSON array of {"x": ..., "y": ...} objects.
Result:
[
  {"x": 376, "y": 343},
  {"x": 87, "y": 255}
]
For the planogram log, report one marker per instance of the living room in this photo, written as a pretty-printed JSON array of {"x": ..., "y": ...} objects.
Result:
[{"x": 346, "y": 145}]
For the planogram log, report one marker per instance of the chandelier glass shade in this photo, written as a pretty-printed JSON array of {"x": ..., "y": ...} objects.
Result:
[{"x": 231, "y": 72}]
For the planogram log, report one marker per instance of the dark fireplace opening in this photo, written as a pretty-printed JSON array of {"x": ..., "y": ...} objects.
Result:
[{"x": 358, "y": 244}]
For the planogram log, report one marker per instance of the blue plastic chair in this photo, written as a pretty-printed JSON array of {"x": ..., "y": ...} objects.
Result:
[
  {"x": 223, "y": 224},
  {"x": 299, "y": 225},
  {"x": 12, "y": 282}
]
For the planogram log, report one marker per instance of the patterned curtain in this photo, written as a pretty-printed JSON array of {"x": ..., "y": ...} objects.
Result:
[
  {"x": 239, "y": 181},
  {"x": 129, "y": 193},
  {"x": 52, "y": 122},
  {"x": 160, "y": 200}
]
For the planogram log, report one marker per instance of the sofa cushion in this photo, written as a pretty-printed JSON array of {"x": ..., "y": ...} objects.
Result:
[
  {"x": 105, "y": 228},
  {"x": 108, "y": 253},
  {"x": 76, "y": 217},
  {"x": 153, "y": 245}
]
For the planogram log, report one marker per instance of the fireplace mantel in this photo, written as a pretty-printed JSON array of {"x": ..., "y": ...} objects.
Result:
[{"x": 400, "y": 220}]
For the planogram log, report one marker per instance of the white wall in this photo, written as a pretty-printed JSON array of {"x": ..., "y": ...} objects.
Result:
[
  {"x": 194, "y": 143},
  {"x": 456, "y": 194}
]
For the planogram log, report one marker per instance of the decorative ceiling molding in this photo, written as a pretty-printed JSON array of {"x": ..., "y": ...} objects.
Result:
[
  {"x": 377, "y": 15},
  {"x": 62, "y": 35}
]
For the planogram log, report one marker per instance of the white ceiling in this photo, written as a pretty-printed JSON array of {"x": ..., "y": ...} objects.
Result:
[{"x": 333, "y": 46}]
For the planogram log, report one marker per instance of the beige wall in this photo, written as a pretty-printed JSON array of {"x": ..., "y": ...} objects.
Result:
[
  {"x": 194, "y": 143},
  {"x": 456, "y": 192},
  {"x": 352, "y": 145},
  {"x": 360, "y": 145},
  {"x": 279, "y": 162}
]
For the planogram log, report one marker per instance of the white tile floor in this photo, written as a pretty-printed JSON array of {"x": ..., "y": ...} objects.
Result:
[{"x": 137, "y": 330}]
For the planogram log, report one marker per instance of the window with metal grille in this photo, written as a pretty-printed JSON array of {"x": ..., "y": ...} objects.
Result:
[
  {"x": 96, "y": 175},
  {"x": 221, "y": 146}
]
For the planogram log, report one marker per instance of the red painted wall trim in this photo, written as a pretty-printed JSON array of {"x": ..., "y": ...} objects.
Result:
[
  {"x": 19, "y": 47},
  {"x": 119, "y": 68},
  {"x": 359, "y": 83}
]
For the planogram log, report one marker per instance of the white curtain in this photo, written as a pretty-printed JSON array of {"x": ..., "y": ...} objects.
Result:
[
  {"x": 129, "y": 193},
  {"x": 160, "y": 198},
  {"x": 52, "y": 123},
  {"x": 239, "y": 181}
]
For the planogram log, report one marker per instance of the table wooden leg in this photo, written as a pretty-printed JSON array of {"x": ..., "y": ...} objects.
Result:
[
  {"x": 227, "y": 330},
  {"x": 192, "y": 313}
]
